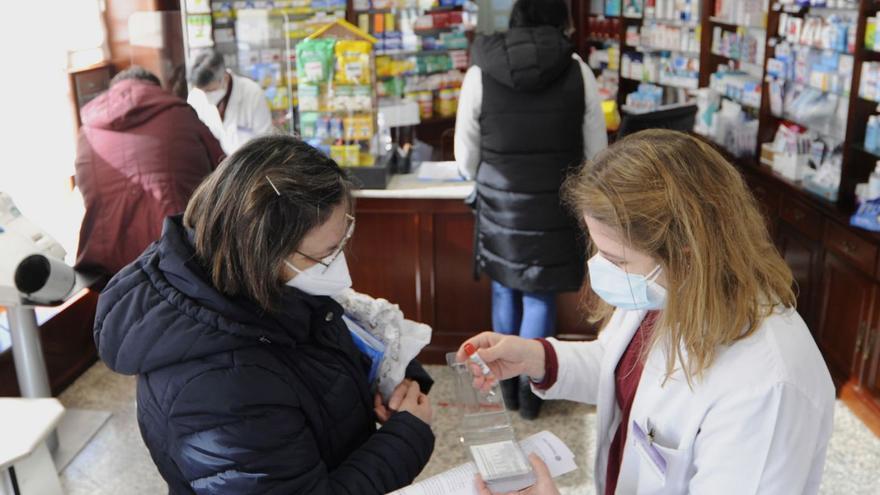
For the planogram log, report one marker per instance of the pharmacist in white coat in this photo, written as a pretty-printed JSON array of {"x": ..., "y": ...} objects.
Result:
[
  {"x": 233, "y": 107},
  {"x": 706, "y": 379}
]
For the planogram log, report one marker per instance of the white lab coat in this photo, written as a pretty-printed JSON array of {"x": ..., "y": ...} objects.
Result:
[
  {"x": 757, "y": 423},
  {"x": 247, "y": 113}
]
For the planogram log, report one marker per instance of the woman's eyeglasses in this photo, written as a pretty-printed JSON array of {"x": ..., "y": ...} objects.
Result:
[{"x": 326, "y": 262}]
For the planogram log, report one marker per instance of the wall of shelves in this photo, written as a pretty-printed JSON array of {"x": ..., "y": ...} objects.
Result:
[
  {"x": 737, "y": 38},
  {"x": 653, "y": 42}
]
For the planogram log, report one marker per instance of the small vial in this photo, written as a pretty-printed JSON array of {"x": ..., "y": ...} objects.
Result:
[{"x": 475, "y": 358}]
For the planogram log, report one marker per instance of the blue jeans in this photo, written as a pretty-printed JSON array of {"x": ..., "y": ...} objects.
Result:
[{"x": 527, "y": 314}]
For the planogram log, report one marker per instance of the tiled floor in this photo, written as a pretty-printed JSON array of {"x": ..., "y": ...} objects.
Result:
[{"x": 116, "y": 461}]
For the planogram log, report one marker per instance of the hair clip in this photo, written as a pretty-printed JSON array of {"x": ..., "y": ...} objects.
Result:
[{"x": 273, "y": 186}]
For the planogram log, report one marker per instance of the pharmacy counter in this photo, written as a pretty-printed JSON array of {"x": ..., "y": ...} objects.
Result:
[
  {"x": 414, "y": 247},
  {"x": 408, "y": 186}
]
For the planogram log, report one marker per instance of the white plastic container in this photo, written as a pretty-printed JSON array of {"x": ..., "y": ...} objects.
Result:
[
  {"x": 791, "y": 166},
  {"x": 874, "y": 182}
]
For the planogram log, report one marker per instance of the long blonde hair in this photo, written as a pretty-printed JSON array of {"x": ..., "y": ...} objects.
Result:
[{"x": 675, "y": 198}]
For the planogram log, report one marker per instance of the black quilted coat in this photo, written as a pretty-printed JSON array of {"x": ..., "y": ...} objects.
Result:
[
  {"x": 531, "y": 124},
  {"x": 233, "y": 400}
]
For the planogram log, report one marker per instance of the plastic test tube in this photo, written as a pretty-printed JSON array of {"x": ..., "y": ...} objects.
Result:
[{"x": 475, "y": 358}]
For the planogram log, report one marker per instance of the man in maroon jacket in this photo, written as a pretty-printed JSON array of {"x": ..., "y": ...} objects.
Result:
[{"x": 141, "y": 153}]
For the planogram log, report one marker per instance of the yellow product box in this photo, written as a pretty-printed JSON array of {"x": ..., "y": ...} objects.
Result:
[
  {"x": 358, "y": 127},
  {"x": 337, "y": 153},
  {"x": 446, "y": 102},
  {"x": 367, "y": 159},
  {"x": 346, "y": 155},
  {"x": 351, "y": 155},
  {"x": 612, "y": 116},
  {"x": 353, "y": 62},
  {"x": 385, "y": 66},
  {"x": 280, "y": 99}
]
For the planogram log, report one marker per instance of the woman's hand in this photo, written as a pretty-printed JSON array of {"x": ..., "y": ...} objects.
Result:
[
  {"x": 383, "y": 412},
  {"x": 544, "y": 484},
  {"x": 415, "y": 402},
  {"x": 506, "y": 355}
]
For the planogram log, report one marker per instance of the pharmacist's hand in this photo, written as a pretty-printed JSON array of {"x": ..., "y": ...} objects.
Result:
[
  {"x": 383, "y": 412},
  {"x": 416, "y": 403},
  {"x": 506, "y": 355},
  {"x": 544, "y": 484}
]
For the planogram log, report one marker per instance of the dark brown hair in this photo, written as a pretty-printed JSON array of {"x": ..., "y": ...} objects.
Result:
[
  {"x": 536, "y": 13},
  {"x": 244, "y": 229},
  {"x": 207, "y": 67}
]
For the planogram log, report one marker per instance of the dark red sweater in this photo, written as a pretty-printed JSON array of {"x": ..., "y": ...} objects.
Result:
[{"x": 141, "y": 153}]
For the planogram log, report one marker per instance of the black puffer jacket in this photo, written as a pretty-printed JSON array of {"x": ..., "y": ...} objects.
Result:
[
  {"x": 531, "y": 124},
  {"x": 232, "y": 400}
]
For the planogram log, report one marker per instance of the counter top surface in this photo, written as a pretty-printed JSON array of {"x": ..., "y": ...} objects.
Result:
[
  {"x": 407, "y": 186},
  {"x": 26, "y": 423}
]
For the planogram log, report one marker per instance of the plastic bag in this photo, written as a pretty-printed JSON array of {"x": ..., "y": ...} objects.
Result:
[{"x": 403, "y": 339}]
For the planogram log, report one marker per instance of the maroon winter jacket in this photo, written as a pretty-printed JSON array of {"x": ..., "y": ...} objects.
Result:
[{"x": 141, "y": 153}]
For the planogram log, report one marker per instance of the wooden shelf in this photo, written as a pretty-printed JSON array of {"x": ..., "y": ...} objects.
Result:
[
  {"x": 603, "y": 40},
  {"x": 735, "y": 59},
  {"x": 806, "y": 9},
  {"x": 807, "y": 86},
  {"x": 740, "y": 102},
  {"x": 436, "y": 31},
  {"x": 862, "y": 99},
  {"x": 775, "y": 40},
  {"x": 452, "y": 8},
  {"x": 789, "y": 119},
  {"x": 648, "y": 48},
  {"x": 418, "y": 53},
  {"x": 373, "y": 11},
  {"x": 426, "y": 74},
  {"x": 725, "y": 22},
  {"x": 667, "y": 84},
  {"x": 437, "y": 120},
  {"x": 672, "y": 22},
  {"x": 861, "y": 148}
]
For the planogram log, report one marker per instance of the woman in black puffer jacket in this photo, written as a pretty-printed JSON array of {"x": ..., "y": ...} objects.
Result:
[
  {"x": 248, "y": 378},
  {"x": 528, "y": 115}
]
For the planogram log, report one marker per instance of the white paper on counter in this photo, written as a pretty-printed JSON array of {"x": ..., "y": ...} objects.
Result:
[
  {"x": 461, "y": 480},
  {"x": 444, "y": 171}
]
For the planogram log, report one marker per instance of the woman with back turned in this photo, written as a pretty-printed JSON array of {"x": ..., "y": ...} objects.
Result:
[{"x": 529, "y": 111}]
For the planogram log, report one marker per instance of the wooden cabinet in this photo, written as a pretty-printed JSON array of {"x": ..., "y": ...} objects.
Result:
[
  {"x": 860, "y": 253},
  {"x": 846, "y": 304},
  {"x": 768, "y": 198},
  {"x": 867, "y": 355},
  {"x": 418, "y": 253},
  {"x": 804, "y": 256},
  {"x": 462, "y": 306},
  {"x": 384, "y": 258}
]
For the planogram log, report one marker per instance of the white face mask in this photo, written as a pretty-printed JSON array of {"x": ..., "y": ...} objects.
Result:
[
  {"x": 216, "y": 95},
  {"x": 321, "y": 280},
  {"x": 625, "y": 290}
]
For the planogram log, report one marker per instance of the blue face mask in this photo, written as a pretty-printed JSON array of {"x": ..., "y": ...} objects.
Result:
[{"x": 625, "y": 290}]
